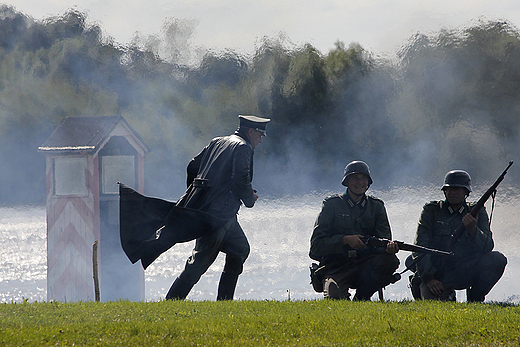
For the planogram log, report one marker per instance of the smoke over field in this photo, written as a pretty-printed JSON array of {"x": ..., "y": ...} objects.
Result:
[{"x": 447, "y": 100}]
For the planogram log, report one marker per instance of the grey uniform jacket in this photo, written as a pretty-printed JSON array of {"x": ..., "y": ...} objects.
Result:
[
  {"x": 437, "y": 222},
  {"x": 341, "y": 216}
]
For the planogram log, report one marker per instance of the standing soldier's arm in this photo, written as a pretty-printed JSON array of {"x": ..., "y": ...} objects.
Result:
[{"x": 241, "y": 174}]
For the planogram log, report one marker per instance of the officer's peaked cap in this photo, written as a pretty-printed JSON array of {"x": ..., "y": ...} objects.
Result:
[{"x": 257, "y": 123}]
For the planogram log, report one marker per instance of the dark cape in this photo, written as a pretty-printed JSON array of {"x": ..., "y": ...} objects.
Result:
[
  {"x": 219, "y": 180},
  {"x": 143, "y": 219}
]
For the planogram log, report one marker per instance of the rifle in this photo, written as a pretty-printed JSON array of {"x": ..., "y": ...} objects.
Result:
[
  {"x": 455, "y": 236},
  {"x": 372, "y": 241}
]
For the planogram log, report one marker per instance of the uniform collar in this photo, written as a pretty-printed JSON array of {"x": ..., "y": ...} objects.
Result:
[
  {"x": 352, "y": 203},
  {"x": 451, "y": 210},
  {"x": 241, "y": 133}
]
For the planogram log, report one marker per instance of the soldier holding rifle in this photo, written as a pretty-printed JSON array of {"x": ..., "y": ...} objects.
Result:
[
  {"x": 338, "y": 240},
  {"x": 474, "y": 265}
]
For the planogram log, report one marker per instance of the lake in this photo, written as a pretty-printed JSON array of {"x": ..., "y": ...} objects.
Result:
[{"x": 278, "y": 230}]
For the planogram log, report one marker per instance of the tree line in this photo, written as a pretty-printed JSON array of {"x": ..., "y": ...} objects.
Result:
[{"x": 446, "y": 100}]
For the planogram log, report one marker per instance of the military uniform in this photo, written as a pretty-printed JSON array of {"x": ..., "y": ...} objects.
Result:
[
  {"x": 341, "y": 267},
  {"x": 474, "y": 265},
  {"x": 219, "y": 181}
]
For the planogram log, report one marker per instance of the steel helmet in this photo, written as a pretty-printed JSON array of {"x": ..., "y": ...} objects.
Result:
[
  {"x": 354, "y": 167},
  {"x": 457, "y": 178}
]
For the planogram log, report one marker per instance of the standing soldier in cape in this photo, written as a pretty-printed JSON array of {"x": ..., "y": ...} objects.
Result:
[
  {"x": 337, "y": 240},
  {"x": 219, "y": 181},
  {"x": 474, "y": 265}
]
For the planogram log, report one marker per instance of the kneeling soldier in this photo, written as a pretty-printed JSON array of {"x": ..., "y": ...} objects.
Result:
[
  {"x": 337, "y": 240},
  {"x": 474, "y": 265}
]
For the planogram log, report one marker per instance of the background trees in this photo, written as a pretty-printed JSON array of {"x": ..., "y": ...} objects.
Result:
[{"x": 448, "y": 100}]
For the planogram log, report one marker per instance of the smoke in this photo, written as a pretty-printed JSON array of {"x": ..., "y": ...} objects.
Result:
[
  {"x": 448, "y": 100},
  {"x": 411, "y": 119},
  {"x": 174, "y": 43}
]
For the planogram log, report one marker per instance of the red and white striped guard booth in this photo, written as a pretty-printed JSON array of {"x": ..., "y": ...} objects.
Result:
[{"x": 85, "y": 157}]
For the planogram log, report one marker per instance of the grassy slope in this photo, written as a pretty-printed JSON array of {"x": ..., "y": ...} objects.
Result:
[{"x": 245, "y": 323}]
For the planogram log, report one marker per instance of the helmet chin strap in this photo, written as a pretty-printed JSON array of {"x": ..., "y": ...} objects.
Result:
[{"x": 358, "y": 195}]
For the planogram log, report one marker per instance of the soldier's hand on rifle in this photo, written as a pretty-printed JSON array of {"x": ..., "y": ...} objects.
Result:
[
  {"x": 354, "y": 241},
  {"x": 392, "y": 247},
  {"x": 470, "y": 223},
  {"x": 435, "y": 287}
]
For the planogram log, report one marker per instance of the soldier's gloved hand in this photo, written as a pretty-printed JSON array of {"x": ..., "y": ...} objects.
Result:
[
  {"x": 354, "y": 241},
  {"x": 470, "y": 223},
  {"x": 392, "y": 247}
]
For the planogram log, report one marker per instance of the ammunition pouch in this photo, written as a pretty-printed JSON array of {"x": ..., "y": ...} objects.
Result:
[
  {"x": 316, "y": 278},
  {"x": 415, "y": 285},
  {"x": 414, "y": 279}
]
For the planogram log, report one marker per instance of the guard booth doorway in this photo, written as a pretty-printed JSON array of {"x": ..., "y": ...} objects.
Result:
[{"x": 119, "y": 279}]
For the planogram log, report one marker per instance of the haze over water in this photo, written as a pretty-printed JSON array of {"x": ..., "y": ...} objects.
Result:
[{"x": 278, "y": 231}]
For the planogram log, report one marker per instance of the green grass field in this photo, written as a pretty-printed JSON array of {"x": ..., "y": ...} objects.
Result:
[{"x": 259, "y": 323}]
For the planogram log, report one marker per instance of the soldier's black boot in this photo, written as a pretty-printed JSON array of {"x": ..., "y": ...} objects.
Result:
[
  {"x": 369, "y": 287},
  {"x": 493, "y": 266},
  {"x": 363, "y": 295},
  {"x": 227, "y": 285},
  {"x": 179, "y": 290}
]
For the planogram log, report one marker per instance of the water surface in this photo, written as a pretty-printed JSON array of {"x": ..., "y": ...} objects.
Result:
[{"x": 278, "y": 231}]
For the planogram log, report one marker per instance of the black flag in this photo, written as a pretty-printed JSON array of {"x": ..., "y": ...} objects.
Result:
[{"x": 150, "y": 226}]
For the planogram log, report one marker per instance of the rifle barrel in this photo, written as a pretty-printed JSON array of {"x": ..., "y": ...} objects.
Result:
[
  {"x": 480, "y": 203},
  {"x": 420, "y": 249},
  {"x": 379, "y": 242}
]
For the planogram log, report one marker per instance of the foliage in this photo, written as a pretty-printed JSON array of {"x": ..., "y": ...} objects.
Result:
[
  {"x": 466, "y": 78},
  {"x": 450, "y": 99},
  {"x": 252, "y": 323}
]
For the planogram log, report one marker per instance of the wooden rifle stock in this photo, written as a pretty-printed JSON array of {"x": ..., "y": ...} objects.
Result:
[{"x": 455, "y": 236}]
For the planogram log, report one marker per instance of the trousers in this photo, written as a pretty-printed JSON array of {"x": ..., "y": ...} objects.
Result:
[
  {"x": 477, "y": 277},
  {"x": 230, "y": 239},
  {"x": 367, "y": 277}
]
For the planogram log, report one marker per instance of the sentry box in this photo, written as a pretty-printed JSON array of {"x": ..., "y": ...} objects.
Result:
[{"x": 85, "y": 158}]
